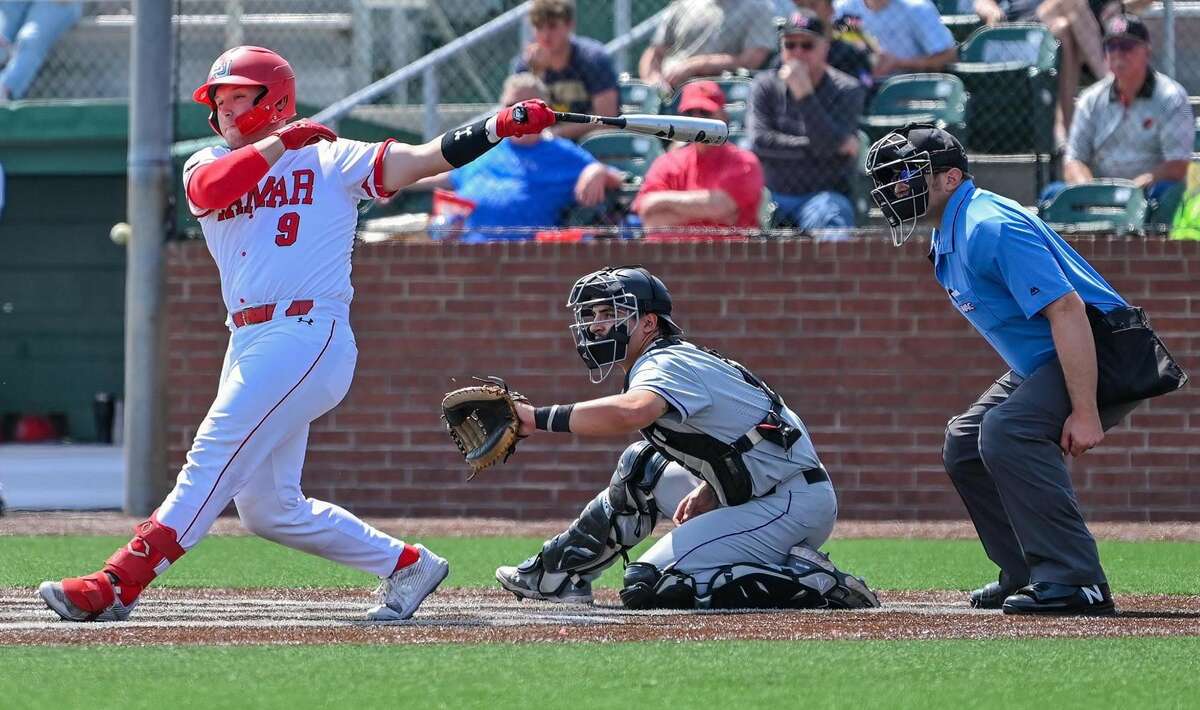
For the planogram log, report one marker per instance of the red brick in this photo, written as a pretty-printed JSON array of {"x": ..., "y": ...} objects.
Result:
[{"x": 858, "y": 337}]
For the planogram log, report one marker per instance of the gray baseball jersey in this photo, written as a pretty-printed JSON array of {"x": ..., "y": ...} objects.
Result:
[{"x": 709, "y": 396}]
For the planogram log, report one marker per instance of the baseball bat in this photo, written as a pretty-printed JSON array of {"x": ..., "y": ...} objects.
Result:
[{"x": 687, "y": 129}]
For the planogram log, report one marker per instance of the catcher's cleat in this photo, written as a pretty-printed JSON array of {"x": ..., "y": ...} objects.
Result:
[
  {"x": 90, "y": 598},
  {"x": 402, "y": 592},
  {"x": 524, "y": 586},
  {"x": 848, "y": 592}
]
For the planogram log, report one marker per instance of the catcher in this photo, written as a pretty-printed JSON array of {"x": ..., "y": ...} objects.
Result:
[{"x": 722, "y": 454}]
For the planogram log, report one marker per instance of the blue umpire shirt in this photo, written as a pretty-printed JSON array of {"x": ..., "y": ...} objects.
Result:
[{"x": 1001, "y": 266}]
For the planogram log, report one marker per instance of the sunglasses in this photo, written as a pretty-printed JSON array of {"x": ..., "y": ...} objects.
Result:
[
  {"x": 1121, "y": 44},
  {"x": 805, "y": 46}
]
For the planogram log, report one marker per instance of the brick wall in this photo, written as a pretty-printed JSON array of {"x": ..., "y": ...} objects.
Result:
[{"x": 857, "y": 336}]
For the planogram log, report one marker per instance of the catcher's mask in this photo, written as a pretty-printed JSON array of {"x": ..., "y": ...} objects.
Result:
[
  {"x": 604, "y": 304},
  {"x": 900, "y": 165}
]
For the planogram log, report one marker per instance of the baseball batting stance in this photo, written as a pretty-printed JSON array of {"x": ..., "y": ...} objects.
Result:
[
  {"x": 278, "y": 207},
  {"x": 1080, "y": 358},
  {"x": 748, "y": 534}
]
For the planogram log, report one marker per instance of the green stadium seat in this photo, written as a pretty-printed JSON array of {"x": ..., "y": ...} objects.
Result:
[
  {"x": 861, "y": 184},
  {"x": 932, "y": 98},
  {"x": 637, "y": 97},
  {"x": 961, "y": 24},
  {"x": 1162, "y": 211},
  {"x": 630, "y": 152},
  {"x": 1195, "y": 102},
  {"x": 1108, "y": 205},
  {"x": 1011, "y": 74}
]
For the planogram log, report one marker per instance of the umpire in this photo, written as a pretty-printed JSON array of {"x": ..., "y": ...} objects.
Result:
[{"x": 1063, "y": 331}]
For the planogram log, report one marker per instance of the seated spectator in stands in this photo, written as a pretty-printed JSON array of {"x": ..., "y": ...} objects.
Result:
[
  {"x": 850, "y": 51},
  {"x": 1135, "y": 124},
  {"x": 701, "y": 185},
  {"x": 526, "y": 184},
  {"x": 910, "y": 33},
  {"x": 28, "y": 30},
  {"x": 577, "y": 71},
  {"x": 802, "y": 121},
  {"x": 707, "y": 37}
]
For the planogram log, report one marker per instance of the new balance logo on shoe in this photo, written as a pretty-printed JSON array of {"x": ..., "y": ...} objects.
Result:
[{"x": 1092, "y": 594}]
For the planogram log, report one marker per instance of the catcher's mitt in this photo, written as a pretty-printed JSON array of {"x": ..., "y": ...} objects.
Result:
[{"x": 483, "y": 422}]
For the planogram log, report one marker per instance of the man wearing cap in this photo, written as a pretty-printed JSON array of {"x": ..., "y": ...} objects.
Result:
[
  {"x": 851, "y": 51},
  {"x": 711, "y": 191},
  {"x": 910, "y": 33},
  {"x": 1029, "y": 294},
  {"x": 721, "y": 453},
  {"x": 1135, "y": 123},
  {"x": 802, "y": 123}
]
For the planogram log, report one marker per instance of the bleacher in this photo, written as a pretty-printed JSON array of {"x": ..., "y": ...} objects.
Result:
[{"x": 1000, "y": 105}]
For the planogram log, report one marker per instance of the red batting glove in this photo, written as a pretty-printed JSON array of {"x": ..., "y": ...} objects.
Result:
[
  {"x": 523, "y": 119},
  {"x": 303, "y": 132}
]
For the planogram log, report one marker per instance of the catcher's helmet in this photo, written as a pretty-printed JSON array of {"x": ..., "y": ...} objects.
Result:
[
  {"x": 908, "y": 156},
  {"x": 252, "y": 66},
  {"x": 629, "y": 292}
]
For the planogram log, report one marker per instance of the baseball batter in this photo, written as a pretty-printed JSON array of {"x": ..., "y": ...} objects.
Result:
[
  {"x": 748, "y": 533},
  {"x": 278, "y": 206}
]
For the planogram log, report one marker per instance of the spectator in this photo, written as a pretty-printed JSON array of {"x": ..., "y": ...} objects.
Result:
[
  {"x": 707, "y": 37},
  {"x": 1135, "y": 124},
  {"x": 577, "y": 71},
  {"x": 803, "y": 120},
  {"x": 850, "y": 51},
  {"x": 701, "y": 185},
  {"x": 910, "y": 34},
  {"x": 525, "y": 184},
  {"x": 27, "y": 32}
]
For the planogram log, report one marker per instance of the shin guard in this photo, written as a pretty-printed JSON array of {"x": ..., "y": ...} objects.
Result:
[{"x": 153, "y": 548}]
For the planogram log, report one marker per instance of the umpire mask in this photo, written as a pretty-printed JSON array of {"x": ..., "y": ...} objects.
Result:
[
  {"x": 900, "y": 165},
  {"x": 605, "y": 304}
]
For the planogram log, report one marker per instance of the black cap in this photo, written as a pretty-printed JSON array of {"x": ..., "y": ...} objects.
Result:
[
  {"x": 944, "y": 149},
  {"x": 1126, "y": 25},
  {"x": 802, "y": 20}
]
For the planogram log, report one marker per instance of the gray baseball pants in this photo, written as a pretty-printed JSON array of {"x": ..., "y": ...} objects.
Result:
[{"x": 1003, "y": 456}]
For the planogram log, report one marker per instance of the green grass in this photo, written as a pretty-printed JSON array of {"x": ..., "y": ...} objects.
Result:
[
  {"x": 1133, "y": 567},
  {"x": 1091, "y": 673}
]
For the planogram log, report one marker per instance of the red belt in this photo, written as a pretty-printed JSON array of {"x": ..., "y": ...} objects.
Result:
[{"x": 264, "y": 313}]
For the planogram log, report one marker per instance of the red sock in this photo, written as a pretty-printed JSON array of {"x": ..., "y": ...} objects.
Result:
[{"x": 407, "y": 557}]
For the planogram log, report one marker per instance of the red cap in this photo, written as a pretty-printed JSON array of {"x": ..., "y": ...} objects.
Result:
[{"x": 703, "y": 95}]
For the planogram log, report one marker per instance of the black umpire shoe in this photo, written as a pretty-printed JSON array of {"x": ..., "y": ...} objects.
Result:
[
  {"x": 991, "y": 596},
  {"x": 1067, "y": 599}
]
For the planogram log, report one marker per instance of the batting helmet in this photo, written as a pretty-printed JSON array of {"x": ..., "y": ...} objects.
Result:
[
  {"x": 252, "y": 66},
  {"x": 628, "y": 292}
]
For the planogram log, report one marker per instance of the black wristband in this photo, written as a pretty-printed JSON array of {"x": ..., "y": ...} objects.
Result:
[
  {"x": 462, "y": 145},
  {"x": 556, "y": 417},
  {"x": 541, "y": 418}
]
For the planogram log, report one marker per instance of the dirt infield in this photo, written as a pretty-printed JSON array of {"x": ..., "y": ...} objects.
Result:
[
  {"x": 234, "y": 617},
  {"x": 117, "y": 524}
]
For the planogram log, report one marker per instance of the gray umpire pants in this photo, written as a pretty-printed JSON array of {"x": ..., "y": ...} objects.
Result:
[{"x": 1004, "y": 458}]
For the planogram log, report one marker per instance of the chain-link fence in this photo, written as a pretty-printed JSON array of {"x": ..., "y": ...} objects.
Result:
[{"x": 1004, "y": 89}]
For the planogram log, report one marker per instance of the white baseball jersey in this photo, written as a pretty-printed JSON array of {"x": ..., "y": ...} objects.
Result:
[
  {"x": 288, "y": 239},
  {"x": 291, "y": 237}
]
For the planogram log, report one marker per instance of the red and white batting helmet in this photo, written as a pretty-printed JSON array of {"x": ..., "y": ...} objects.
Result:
[{"x": 252, "y": 66}]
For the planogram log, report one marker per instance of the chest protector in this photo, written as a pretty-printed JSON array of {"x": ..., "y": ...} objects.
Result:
[{"x": 716, "y": 462}]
